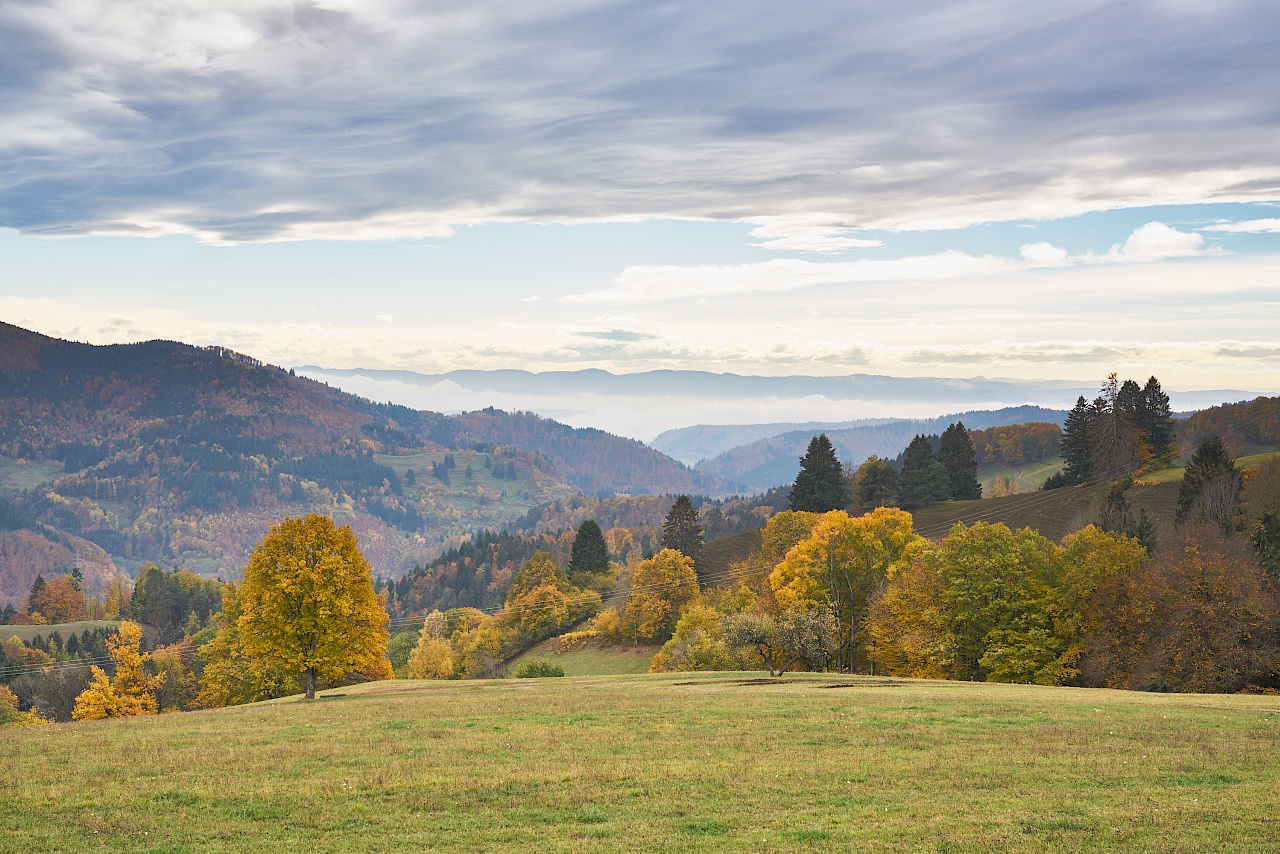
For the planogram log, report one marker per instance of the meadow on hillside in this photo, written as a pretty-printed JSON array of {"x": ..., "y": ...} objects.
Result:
[{"x": 679, "y": 762}]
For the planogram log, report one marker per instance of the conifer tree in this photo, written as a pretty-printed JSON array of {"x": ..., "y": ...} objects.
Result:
[
  {"x": 820, "y": 486},
  {"x": 923, "y": 479},
  {"x": 1211, "y": 485},
  {"x": 681, "y": 530},
  {"x": 589, "y": 554},
  {"x": 956, "y": 455},
  {"x": 1077, "y": 443},
  {"x": 1156, "y": 420}
]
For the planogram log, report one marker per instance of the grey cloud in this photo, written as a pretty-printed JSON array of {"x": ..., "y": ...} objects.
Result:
[{"x": 299, "y": 121}]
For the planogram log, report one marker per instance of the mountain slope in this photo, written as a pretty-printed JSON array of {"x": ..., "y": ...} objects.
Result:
[{"x": 184, "y": 455}]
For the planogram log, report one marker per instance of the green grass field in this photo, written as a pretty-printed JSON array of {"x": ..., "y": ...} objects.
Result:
[
  {"x": 679, "y": 762},
  {"x": 590, "y": 661},
  {"x": 16, "y": 478},
  {"x": 1028, "y": 478},
  {"x": 26, "y": 633}
]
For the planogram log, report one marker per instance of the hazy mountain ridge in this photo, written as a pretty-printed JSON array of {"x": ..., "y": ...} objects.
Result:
[{"x": 775, "y": 460}]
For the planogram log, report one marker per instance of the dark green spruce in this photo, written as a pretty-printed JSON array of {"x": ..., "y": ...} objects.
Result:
[{"x": 820, "y": 486}]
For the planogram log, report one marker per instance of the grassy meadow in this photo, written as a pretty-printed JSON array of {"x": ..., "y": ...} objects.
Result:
[{"x": 677, "y": 762}]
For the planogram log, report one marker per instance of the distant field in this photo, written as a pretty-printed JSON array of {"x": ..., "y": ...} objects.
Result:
[
  {"x": 459, "y": 486},
  {"x": 680, "y": 762},
  {"x": 26, "y": 633},
  {"x": 1028, "y": 477},
  {"x": 591, "y": 661},
  {"x": 16, "y": 478}
]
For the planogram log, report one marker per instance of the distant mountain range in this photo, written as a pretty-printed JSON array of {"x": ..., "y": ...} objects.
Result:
[{"x": 652, "y": 404}]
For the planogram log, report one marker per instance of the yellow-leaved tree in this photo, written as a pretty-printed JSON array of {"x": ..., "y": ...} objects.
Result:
[
  {"x": 308, "y": 603},
  {"x": 842, "y": 562},
  {"x": 432, "y": 658},
  {"x": 660, "y": 588},
  {"x": 132, "y": 691}
]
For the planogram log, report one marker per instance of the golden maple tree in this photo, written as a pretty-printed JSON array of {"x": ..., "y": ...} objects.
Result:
[{"x": 308, "y": 602}]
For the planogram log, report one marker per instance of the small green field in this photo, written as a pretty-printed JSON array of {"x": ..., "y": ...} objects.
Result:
[
  {"x": 591, "y": 660},
  {"x": 1028, "y": 478},
  {"x": 26, "y": 633},
  {"x": 18, "y": 476},
  {"x": 678, "y": 762}
]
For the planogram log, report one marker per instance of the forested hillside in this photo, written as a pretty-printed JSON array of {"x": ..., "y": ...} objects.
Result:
[{"x": 184, "y": 455}]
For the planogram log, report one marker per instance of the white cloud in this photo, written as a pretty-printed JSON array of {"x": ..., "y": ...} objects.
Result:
[
  {"x": 1043, "y": 254},
  {"x": 821, "y": 233},
  {"x": 385, "y": 318},
  {"x": 1252, "y": 226},
  {"x": 642, "y": 284},
  {"x": 1156, "y": 241}
]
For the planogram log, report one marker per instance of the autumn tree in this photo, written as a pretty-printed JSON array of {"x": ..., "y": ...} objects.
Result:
[
  {"x": 839, "y": 565},
  {"x": 1211, "y": 485},
  {"x": 230, "y": 675},
  {"x": 820, "y": 486},
  {"x": 1200, "y": 616},
  {"x": 955, "y": 452},
  {"x": 308, "y": 601},
  {"x": 681, "y": 530},
  {"x": 542, "y": 601},
  {"x": 807, "y": 634},
  {"x": 131, "y": 692},
  {"x": 58, "y": 600},
  {"x": 432, "y": 658},
  {"x": 660, "y": 588}
]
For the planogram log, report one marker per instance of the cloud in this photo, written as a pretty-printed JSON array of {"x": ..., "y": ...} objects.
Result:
[
  {"x": 1043, "y": 254},
  {"x": 648, "y": 283},
  {"x": 263, "y": 120},
  {"x": 1252, "y": 226},
  {"x": 385, "y": 318},
  {"x": 815, "y": 233},
  {"x": 615, "y": 335},
  {"x": 1156, "y": 241}
]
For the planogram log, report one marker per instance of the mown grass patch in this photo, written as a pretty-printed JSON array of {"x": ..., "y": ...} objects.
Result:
[{"x": 681, "y": 762}]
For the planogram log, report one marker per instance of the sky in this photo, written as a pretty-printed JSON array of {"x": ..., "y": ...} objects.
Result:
[{"x": 994, "y": 188}]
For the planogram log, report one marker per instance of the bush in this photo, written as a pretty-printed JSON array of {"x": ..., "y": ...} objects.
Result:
[{"x": 537, "y": 668}]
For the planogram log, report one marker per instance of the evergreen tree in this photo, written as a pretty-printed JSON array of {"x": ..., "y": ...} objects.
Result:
[
  {"x": 923, "y": 479},
  {"x": 1155, "y": 420},
  {"x": 1211, "y": 485},
  {"x": 681, "y": 530},
  {"x": 1077, "y": 443},
  {"x": 589, "y": 554},
  {"x": 820, "y": 486},
  {"x": 1113, "y": 431},
  {"x": 33, "y": 599},
  {"x": 6, "y": 616},
  {"x": 956, "y": 455},
  {"x": 876, "y": 484}
]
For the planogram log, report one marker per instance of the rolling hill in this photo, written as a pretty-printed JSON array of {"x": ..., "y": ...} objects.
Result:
[{"x": 183, "y": 455}]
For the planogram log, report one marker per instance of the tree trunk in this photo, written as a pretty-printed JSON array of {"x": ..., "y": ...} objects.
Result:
[{"x": 311, "y": 683}]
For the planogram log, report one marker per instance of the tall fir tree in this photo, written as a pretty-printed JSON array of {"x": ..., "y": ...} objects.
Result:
[
  {"x": 820, "y": 486},
  {"x": 1077, "y": 443},
  {"x": 956, "y": 454},
  {"x": 1156, "y": 421},
  {"x": 1113, "y": 432},
  {"x": 681, "y": 530},
  {"x": 589, "y": 554}
]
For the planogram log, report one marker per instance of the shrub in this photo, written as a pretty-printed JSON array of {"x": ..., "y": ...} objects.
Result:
[{"x": 537, "y": 668}]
